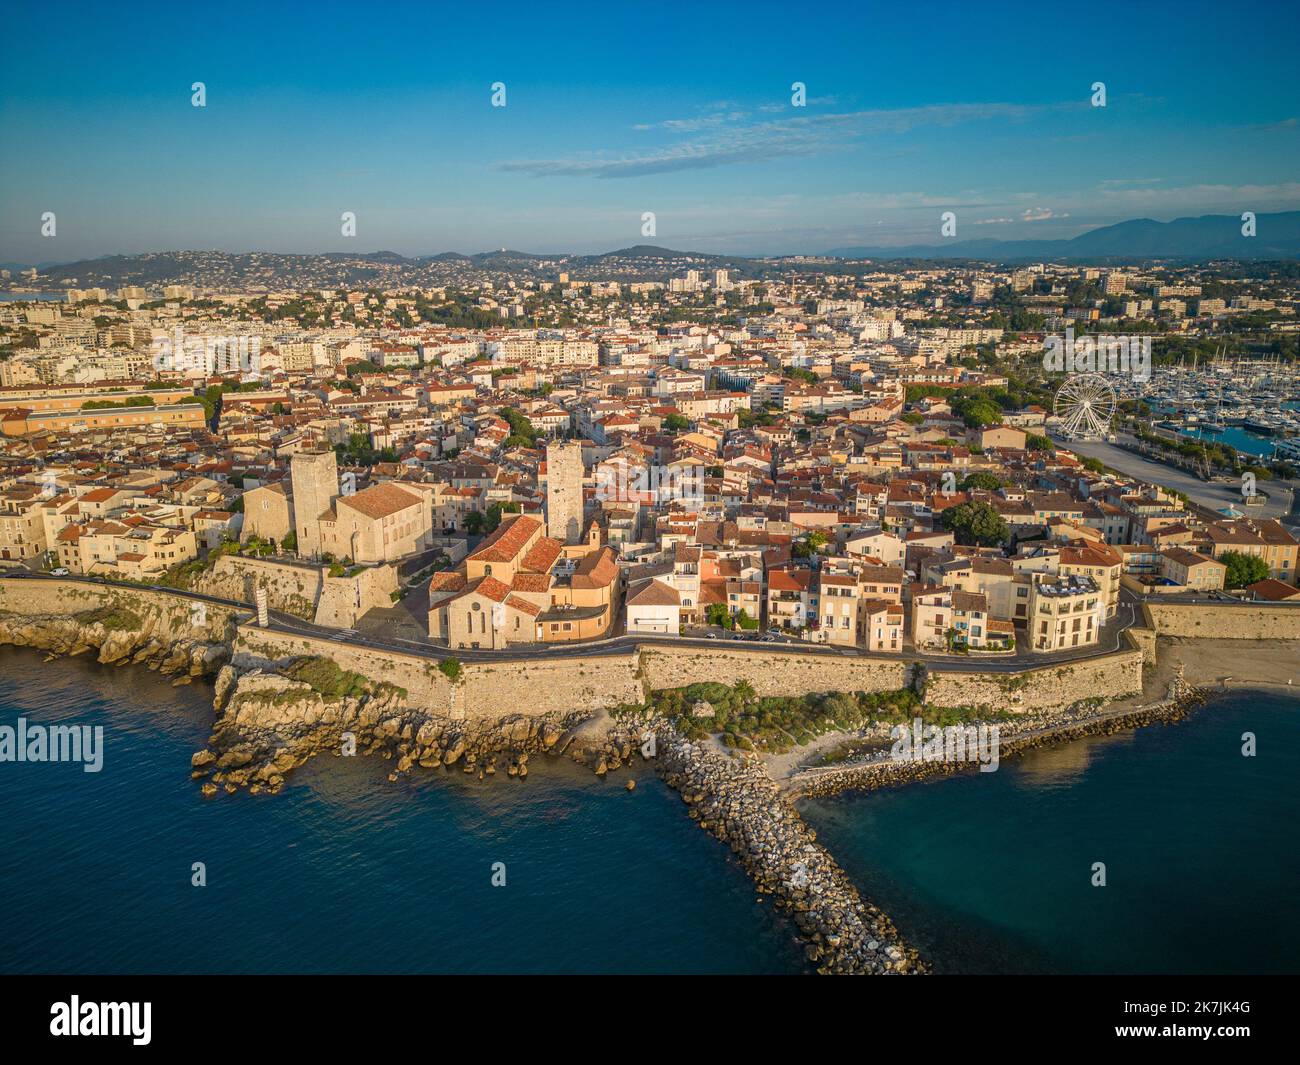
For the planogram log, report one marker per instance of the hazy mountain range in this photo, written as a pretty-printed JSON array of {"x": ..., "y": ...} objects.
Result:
[{"x": 1212, "y": 236}]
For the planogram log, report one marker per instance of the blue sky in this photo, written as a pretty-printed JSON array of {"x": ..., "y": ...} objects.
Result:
[{"x": 684, "y": 110}]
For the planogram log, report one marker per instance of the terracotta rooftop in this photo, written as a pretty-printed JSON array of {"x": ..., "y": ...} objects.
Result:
[
  {"x": 447, "y": 581},
  {"x": 100, "y": 495},
  {"x": 654, "y": 593},
  {"x": 541, "y": 557},
  {"x": 596, "y": 570},
  {"x": 509, "y": 538},
  {"x": 531, "y": 582},
  {"x": 493, "y": 589},
  {"x": 379, "y": 501},
  {"x": 523, "y": 605},
  {"x": 1273, "y": 590}
]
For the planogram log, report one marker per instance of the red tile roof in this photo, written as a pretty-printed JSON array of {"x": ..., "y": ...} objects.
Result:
[
  {"x": 509, "y": 538},
  {"x": 543, "y": 554}
]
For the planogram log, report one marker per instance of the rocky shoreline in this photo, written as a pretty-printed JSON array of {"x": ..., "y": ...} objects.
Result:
[
  {"x": 1180, "y": 700},
  {"x": 61, "y": 634},
  {"x": 268, "y": 724}
]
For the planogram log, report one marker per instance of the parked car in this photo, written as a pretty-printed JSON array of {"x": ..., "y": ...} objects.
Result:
[{"x": 60, "y": 572}]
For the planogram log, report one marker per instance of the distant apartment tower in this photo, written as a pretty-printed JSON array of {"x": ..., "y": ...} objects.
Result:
[
  {"x": 315, "y": 476},
  {"x": 86, "y": 295},
  {"x": 564, "y": 492}
]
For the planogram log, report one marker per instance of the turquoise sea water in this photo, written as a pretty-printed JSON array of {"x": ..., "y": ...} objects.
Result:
[
  {"x": 1235, "y": 436},
  {"x": 343, "y": 871},
  {"x": 992, "y": 872}
]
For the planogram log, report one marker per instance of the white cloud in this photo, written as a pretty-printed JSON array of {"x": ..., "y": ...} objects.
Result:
[{"x": 728, "y": 136}]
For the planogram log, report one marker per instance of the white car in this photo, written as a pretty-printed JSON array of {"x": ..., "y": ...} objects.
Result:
[{"x": 60, "y": 572}]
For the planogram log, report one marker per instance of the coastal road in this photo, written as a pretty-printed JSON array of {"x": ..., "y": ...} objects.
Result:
[
  {"x": 1282, "y": 494},
  {"x": 1112, "y": 639}
]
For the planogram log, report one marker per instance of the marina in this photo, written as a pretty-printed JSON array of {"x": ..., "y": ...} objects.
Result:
[{"x": 1233, "y": 403}]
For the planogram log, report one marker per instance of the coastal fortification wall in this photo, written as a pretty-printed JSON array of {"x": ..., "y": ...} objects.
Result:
[
  {"x": 770, "y": 672},
  {"x": 345, "y": 600},
  {"x": 148, "y": 620},
  {"x": 530, "y": 686},
  {"x": 1225, "y": 621},
  {"x": 166, "y": 615},
  {"x": 121, "y": 625},
  {"x": 300, "y": 589},
  {"x": 290, "y": 588},
  {"x": 1144, "y": 640},
  {"x": 1105, "y": 677}
]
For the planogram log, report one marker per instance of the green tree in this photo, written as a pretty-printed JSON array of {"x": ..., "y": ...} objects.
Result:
[
  {"x": 717, "y": 614},
  {"x": 977, "y": 411},
  {"x": 520, "y": 426},
  {"x": 494, "y": 512},
  {"x": 975, "y": 524},
  {"x": 980, "y": 479},
  {"x": 1243, "y": 569}
]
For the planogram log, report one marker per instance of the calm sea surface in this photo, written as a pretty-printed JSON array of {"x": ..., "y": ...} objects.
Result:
[
  {"x": 343, "y": 871},
  {"x": 992, "y": 872}
]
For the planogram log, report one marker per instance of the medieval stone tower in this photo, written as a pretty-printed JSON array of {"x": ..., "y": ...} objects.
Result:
[
  {"x": 564, "y": 492},
  {"x": 315, "y": 477}
]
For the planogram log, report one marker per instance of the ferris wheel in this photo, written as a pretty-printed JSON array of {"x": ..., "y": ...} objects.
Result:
[{"x": 1085, "y": 405}]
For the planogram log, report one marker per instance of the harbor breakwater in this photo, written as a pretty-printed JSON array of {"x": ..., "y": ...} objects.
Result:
[
  {"x": 884, "y": 771},
  {"x": 738, "y": 803}
]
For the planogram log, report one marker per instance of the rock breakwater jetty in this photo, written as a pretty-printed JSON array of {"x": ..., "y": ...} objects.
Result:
[
  {"x": 737, "y": 802},
  {"x": 1180, "y": 699}
]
